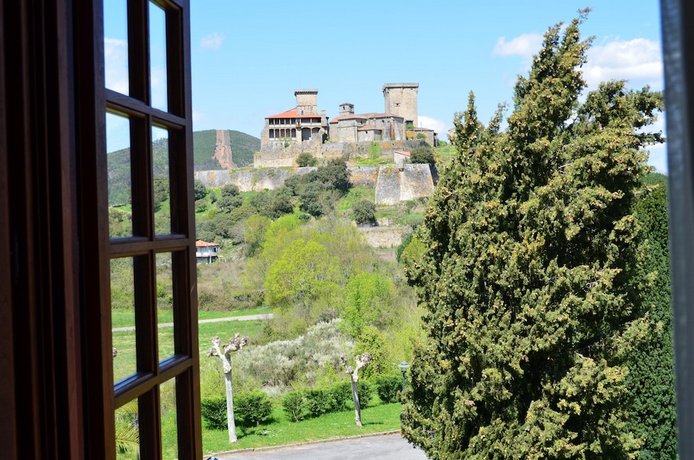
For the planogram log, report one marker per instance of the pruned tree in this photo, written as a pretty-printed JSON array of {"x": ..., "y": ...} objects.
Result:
[
  {"x": 224, "y": 354},
  {"x": 361, "y": 361}
]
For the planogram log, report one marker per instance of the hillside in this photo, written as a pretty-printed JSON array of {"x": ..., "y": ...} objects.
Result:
[{"x": 243, "y": 147}]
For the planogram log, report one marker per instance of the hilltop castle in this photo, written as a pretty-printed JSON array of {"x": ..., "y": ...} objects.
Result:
[{"x": 303, "y": 128}]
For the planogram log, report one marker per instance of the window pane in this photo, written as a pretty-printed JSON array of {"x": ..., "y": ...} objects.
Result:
[
  {"x": 165, "y": 305},
  {"x": 157, "y": 53},
  {"x": 116, "y": 45},
  {"x": 119, "y": 175},
  {"x": 123, "y": 318},
  {"x": 169, "y": 424},
  {"x": 161, "y": 186},
  {"x": 127, "y": 432}
]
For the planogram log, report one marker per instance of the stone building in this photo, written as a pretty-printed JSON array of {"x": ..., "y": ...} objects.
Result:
[
  {"x": 301, "y": 124},
  {"x": 366, "y": 127}
]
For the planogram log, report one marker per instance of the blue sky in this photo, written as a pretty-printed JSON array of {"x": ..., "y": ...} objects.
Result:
[{"x": 250, "y": 56}]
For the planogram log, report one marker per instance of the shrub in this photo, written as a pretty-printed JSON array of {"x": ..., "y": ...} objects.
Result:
[
  {"x": 365, "y": 391},
  {"x": 214, "y": 413},
  {"x": 252, "y": 408},
  {"x": 306, "y": 159},
  {"x": 364, "y": 212},
  {"x": 294, "y": 405},
  {"x": 388, "y": 387},
  {"x": 321, "y": 401},
  {"x": 422, "y": 155},
  {"x": 199, "y": 190}
]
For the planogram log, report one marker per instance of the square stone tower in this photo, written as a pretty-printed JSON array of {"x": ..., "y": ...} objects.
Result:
[
  {"x": 306, "y": 101},
  {"x": 401, "y": 99}
]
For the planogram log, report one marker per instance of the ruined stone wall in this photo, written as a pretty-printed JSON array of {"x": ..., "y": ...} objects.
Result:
[
  {"x": 364, "y": 175},
  {"x": 383, "y": 237},
  {"x": 392, "y": 184},
  {"x": 251, "y": 180}
]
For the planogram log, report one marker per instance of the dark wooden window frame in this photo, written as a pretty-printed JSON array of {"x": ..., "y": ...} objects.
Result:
[
  {"x": 144, "y": 245},
  {"x": 56, "y": 375}
]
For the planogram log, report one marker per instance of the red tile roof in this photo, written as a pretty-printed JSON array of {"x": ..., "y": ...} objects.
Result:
[
  {"x": 294, "y": 113},
  {"x": 204, "y": 244}
]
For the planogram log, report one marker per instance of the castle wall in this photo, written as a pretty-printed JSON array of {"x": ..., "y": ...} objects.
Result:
[
  {"x": 392, "y": 184},
  {"x": 251, "y": 180}
]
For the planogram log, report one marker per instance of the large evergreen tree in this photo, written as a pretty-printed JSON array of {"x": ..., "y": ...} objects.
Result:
[
  {"x": 530, "y": 277},
  {"x": 651, "y": 376}
]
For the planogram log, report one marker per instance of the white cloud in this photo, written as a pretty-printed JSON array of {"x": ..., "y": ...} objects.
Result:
[
  {"x": 638, "y": 60},
  {"x": 432, "y": 123},
  {"x": 523, "y": 45},
  {"x": 116, "y": 61},
  {"x": 212, "y": 41}
]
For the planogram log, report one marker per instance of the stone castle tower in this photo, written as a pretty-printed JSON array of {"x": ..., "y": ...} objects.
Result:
[
  {"x": 306, "y": 101},
  {"x": 401, "y": 99}
]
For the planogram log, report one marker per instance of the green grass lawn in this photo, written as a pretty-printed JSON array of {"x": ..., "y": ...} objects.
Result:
[{"x": 376, "y": 419}]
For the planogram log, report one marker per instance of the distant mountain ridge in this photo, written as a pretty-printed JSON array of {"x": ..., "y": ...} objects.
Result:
[{"x": 243, "y": 147}]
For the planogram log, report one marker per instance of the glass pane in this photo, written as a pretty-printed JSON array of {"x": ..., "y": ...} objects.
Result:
[
  {"x": 123, "y": 318},
  {"x": 165, "y": 305},
  {"x": 160, "y": 174},
  {"x": 116, "y": 45},
  {"x": 157, "y": 53},
  {"x": 127, "y": 432},
  {"x": 169, "y": 425},
  {"x": 119, "y": 166}
]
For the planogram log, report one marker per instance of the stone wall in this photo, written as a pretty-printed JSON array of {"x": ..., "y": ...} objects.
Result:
[
  {"x": 392, "y": 184},
  {"x": 364, "y": 175},
  {"x": 383, "y": 237},
  {"x": 251, "y": 180},
  {"x": 411, "y": 182},
  {"x": 279, "y": 156}
]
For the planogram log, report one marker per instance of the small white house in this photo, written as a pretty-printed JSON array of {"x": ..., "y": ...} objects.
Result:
[{"x": 206, "y": 253}]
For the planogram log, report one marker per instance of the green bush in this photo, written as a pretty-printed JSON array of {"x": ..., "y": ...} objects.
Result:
[
  {"x": 422, "y": 155},
  {"x": 252, "y": 408},
  {"x": 294, "y": 404},
  {"x": 388, "y": 387},
  {"x": 364, "y": 212},
  {"x": 214, "y": 413},
  {"x": 321, "y": 401},
  {"x": 306, "y": 159},
  {"x": 365, "y": 391}
]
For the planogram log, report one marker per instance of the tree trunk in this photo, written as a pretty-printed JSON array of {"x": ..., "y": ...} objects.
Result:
[
  {"x": 355, "y": 398},
  {"x": 230, "y": 409}
]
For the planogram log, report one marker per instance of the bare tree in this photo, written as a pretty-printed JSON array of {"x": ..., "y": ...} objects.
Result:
[
  {"x": 362, "y": 361},
  {"x": 224, "y": 354}
]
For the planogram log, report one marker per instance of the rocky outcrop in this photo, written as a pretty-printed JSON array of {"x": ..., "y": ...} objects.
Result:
[{"x": 222, "y": 150}]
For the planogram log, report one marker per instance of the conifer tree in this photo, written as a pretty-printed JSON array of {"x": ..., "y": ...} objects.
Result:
[{"x": 530, "y": 279}]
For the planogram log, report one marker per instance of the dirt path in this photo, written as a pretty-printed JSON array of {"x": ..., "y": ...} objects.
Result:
[{"x": 203, "y": 321}]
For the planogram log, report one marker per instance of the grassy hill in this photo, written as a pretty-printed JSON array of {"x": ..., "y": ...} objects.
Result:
[{"x": 243, "y": 147}]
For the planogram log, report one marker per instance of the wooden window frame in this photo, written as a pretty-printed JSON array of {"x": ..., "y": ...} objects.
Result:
[{"x": 56, "y": 374}]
